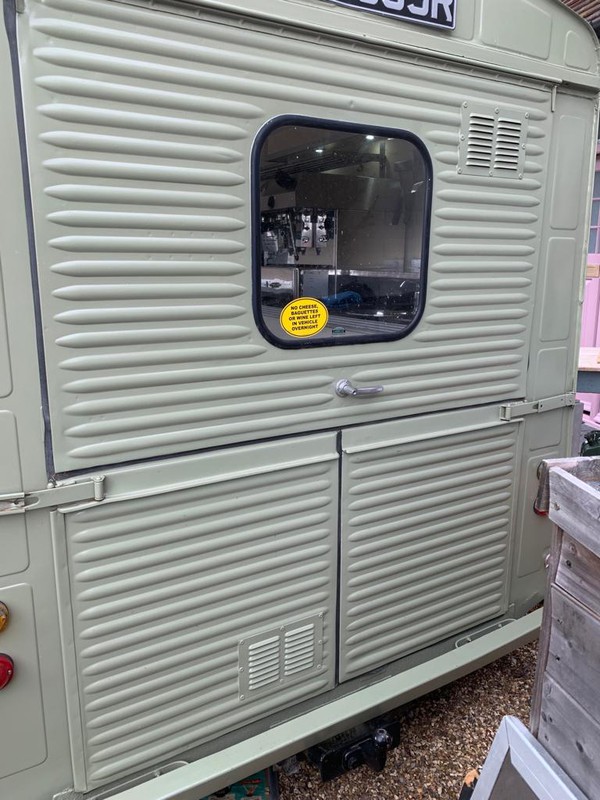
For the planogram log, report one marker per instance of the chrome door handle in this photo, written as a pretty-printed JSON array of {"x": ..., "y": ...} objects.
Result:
[{"x": 344, "y": 388}]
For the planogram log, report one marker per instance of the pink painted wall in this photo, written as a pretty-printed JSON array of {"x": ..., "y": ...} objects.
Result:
[
  {"x": 590, "y": 337},
  {"x": 590, "y": 321}
]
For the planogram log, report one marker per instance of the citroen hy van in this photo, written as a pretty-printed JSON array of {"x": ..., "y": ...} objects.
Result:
[{"x": 290, "y": 298}]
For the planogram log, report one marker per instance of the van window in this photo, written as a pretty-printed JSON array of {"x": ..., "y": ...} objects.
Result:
[{"x": 342, "y": 217}]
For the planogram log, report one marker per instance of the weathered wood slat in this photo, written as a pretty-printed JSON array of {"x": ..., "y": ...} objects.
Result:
[
  {"x": 571, "y": 736},
  {"x": 578, "y": 573},
  {"x": 519, "y": 768},
  {"x": 586, "y": 470},
  {"x": 575, "y": 507},
  {"x": 574, "y": 652},
  {"x": 566, "y": 697},
  {"x": 545, "y": 631}
]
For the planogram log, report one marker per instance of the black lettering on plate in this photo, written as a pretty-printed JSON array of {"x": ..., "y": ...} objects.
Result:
[{"x": 440, "y": 13}]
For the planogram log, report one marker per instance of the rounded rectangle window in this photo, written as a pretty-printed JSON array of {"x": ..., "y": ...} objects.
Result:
[{"x": 341, "y": 232}]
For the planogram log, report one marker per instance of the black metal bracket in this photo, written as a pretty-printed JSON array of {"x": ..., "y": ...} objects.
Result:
[{"x": 366, "y": 744}]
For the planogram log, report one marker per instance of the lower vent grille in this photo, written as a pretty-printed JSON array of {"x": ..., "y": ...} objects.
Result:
[{"x": 279, "y": 657}]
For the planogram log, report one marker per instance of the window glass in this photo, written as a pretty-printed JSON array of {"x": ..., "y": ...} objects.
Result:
[
  {"x": 597, "y": 184},
  {"x": 343, "y": 218}
]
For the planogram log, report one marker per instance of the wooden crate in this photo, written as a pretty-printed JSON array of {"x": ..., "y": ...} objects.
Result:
[{"x": 566, "y": 698}]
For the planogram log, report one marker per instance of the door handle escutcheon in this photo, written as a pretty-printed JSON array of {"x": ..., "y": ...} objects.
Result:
[{"x": 344, "y": 388}]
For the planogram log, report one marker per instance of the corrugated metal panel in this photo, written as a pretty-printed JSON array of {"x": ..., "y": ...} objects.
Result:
[
  {"x": 426, "y": 529},
  {"x": 166, "y": 589},
  {"x": 140, "y": 127},
  {"x": 588, "y": 9}
]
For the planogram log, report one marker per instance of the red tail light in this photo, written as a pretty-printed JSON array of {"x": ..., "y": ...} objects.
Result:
[{"x": 7, "y": 668}]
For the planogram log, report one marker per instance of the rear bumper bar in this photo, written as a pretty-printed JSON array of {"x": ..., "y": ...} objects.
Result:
[{"x": 197, "y": 779}]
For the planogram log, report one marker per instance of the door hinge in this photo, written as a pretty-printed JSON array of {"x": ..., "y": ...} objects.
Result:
[
  {"x": 58, "y": 494},
  {"x": 511, "y": 411}
]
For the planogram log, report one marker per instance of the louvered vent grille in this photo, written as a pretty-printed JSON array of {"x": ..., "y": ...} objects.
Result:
[
  {"x": 299, "y": 650},
  {"x": 263, "y": 663},
  {"x": 480, "y": 148},
  {"x": 279, "y": 657},
  {"x": 492, "y": 143},
  {"x": 508, "y": 144}
]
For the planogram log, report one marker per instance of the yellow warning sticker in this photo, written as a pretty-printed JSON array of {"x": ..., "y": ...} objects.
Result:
[{"x": 304, "y": 317}]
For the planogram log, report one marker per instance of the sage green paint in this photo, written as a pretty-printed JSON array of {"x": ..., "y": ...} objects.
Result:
[{"x": 138, "y": 126}]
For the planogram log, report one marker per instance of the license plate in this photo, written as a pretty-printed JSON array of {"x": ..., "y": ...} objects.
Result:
[{"x": 440, "y": 13}]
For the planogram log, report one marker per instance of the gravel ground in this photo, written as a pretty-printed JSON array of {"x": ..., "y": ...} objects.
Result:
[{"x": 443, "y": 735}]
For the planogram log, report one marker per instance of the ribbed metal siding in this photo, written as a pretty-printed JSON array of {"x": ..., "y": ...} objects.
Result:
[
  {"x": 588, "y": 9},
  {"x": 425, "y": 542},
  {"x": 140, "y": 126},
  {"x": 166, "y": 588}
]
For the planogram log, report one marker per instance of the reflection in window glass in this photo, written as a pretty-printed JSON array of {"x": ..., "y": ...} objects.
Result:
[{"x": 342, "y": 220}]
